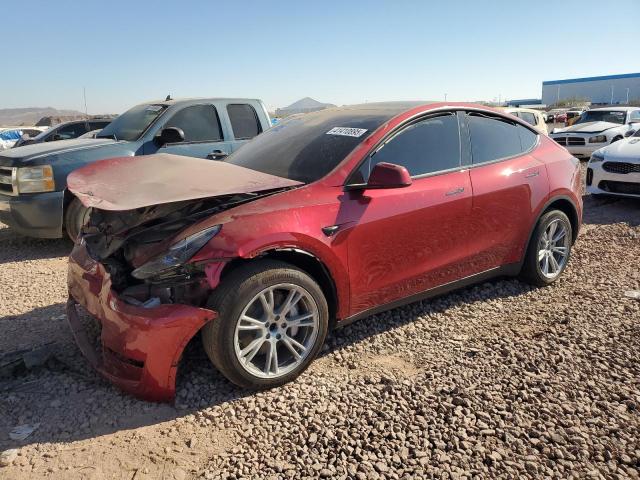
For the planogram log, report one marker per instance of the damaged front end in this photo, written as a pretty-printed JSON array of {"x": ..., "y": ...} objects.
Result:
[
  {"x": 147, "y": 267},
  {"x": 131, "y": 269}
]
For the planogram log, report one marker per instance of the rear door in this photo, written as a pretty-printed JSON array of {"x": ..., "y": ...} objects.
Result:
[
  {"x": 508, "y": 185},
  {"x": 407, "y": 240},
  {"x": 202, "y": 132}
]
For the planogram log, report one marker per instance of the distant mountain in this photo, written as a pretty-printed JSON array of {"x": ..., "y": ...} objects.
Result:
[
  {"x": 32, "y": 115},
  {"x": 304, "y": 105}
]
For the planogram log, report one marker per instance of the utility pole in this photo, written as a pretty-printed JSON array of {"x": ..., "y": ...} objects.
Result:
[
  {"x": 611, "y": 94},
  {"x": 627, "y": 95},
  {"x": 84, "y": 94},
  {"x": 445, "y": 95}
]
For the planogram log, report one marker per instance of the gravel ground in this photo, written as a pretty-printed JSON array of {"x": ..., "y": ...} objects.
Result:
[{"x": 496, "y": 380}]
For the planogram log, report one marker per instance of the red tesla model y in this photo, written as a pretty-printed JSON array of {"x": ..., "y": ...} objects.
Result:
[{"x": 323, "y": 219}]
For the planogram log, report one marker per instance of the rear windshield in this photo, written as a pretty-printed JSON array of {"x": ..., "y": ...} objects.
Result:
[
  {"x": 307, "y": 147},
  {"x": 611, "y": 116}
]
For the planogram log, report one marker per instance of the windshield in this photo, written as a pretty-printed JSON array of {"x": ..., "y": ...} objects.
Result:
[
  {"x": 307, "y": 147},
  {"x": 133, "y": 123},
  {"x": 611, "y": 116}
]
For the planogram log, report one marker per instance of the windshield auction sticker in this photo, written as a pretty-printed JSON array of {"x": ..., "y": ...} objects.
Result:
[{"x": 347, "y": 131}]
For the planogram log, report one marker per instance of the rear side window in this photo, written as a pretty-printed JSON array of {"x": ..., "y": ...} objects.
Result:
[
  {"x": 244, "y": 121},
  {"x": 71, "y": 131},
  {"x": 494, "y": 138},
  {"x": 200, "y": 123},
  {"x": 528, "y": 117},
  {"x": 427, "y": 146},
  {"x": 97, "y": 125}
]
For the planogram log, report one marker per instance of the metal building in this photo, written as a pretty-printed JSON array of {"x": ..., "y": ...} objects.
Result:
[{"x": 610, "y": 89}]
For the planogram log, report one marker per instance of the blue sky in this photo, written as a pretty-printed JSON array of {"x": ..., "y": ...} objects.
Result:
[{"x": 126, "y": 52}]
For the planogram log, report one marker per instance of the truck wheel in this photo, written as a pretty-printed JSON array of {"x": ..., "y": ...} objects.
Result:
[
  {"x": 272, "y": 321},
  {"x": 74, "y": 217},
  {"x": 549, "y": 249}
]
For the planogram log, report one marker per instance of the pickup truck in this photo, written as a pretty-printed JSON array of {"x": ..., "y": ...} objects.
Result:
[{"x": 34, "y": 200}]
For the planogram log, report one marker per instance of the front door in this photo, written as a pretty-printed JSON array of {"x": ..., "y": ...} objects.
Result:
[
  {"x": 404, "y": 241},
  {"x": 202, "y": 132}
]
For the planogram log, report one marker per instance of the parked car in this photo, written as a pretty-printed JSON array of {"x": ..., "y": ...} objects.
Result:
[
  {"x": 10, "y": 135},
  {"x": 556, "y": 116},
  {"x": 33, "y": 178},
  {"x": 573, "y": 116},
  {"x": 615, "y": 170},
  {"x": 64, "y": 131},
  {"x": 324, "y": 219},
  {"x": 534, "y": 118},
  {"x": 597, "y": 128}
]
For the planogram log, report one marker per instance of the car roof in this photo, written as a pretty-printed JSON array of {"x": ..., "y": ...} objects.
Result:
[
  {"x": 176, "y": 101},
  {"x": 625, "y": 109}
]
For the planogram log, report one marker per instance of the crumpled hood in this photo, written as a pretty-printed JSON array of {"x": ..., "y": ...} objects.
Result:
[
  {"x": 127, "y": 183},
  {"x": 589, "y": 127}
]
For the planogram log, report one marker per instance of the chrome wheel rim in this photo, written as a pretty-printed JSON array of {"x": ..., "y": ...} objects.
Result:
[
  {"x": 553, "y": 249},
  {"x": 276, "y": 330}
]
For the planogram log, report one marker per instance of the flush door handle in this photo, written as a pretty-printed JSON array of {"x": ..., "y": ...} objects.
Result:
[
  {"x": 457, "y": 191},
  {"x": 532, "y": 174}
]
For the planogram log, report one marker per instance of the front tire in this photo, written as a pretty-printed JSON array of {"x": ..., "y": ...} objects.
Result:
[
  {"x": 74, "y": 218},
  {"x": 272, "y": 321},
  {"x": 549, "y": 249}
]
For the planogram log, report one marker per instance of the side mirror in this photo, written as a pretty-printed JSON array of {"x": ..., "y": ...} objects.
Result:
[
  {"x": 170, "y": 135},
  {"x": 388, "y": 175}
]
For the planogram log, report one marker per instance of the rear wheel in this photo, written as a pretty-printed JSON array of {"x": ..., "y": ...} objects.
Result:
[
  {"x": 549, "y": 249},
  {"x": 74, "y": 218},
  {"x": 273, "y": 319}
]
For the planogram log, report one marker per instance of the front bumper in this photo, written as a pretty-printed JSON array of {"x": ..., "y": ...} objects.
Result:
[
  {"x": 140, "y": 348},
  {"x": 33, "y": 215},
  {"x": 608, "y": 183}
]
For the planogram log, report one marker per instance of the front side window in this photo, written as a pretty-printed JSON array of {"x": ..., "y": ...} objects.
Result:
[
  {"x": 634, "y": 116},
  {"x": 244, "y": 121},
  {"x": 199, "y": 123},
  {"x": 427, "y": 146},
  {"x": 494, "y": 138}
]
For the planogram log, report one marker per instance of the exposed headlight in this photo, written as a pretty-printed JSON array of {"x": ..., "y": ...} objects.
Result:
[
  {"x": 35, "y": 179},
  {"x": 596, "y": 157},
  {"x": 598, "y": 139},
  {"x": 178, "y": 254}
]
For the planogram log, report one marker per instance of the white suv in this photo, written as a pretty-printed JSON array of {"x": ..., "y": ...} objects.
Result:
[{"x": 598, "y": 128}]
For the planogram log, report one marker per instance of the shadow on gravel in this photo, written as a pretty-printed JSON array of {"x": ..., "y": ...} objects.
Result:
[
  {"x": 16, "y": 248},
  {"x": 609, "y": 210}
]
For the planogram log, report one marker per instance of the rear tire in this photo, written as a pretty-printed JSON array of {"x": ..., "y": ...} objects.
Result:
[
  {"x": 549, "y": 249},
  {"x": 272, "y": 321},
  {"x": 74, "y": 218}
]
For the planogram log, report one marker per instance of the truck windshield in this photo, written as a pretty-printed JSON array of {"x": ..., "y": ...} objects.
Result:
[
  {"x": 611, "y": 116},
  {"x": 133, "y": 123},
  {"x": 306, "y": 147}
]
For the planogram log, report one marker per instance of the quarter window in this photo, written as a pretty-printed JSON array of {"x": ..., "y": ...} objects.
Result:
[
  {"x": 494, "y": 138},
  {"x": 427, "y": 146},
  {"x": 244, "y": 121},
  {"x": 634, "y": 116},
  {"x": 199, "y": 123}
]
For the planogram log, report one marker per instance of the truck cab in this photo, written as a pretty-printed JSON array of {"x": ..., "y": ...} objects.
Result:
[{"x": 33, "y": 178}]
